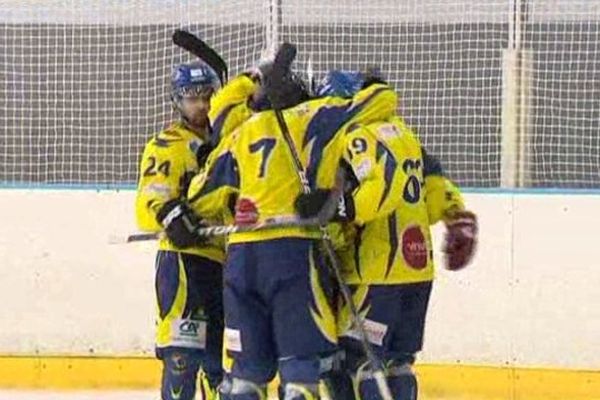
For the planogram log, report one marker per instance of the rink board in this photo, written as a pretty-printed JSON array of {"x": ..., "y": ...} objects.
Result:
[{"x": 527, "y": 307}]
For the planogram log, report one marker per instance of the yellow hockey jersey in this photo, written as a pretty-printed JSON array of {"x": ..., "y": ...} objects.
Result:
[
  {"x": 390, "y": 242},
  {"x": 255, "y": 162},
  {"x": 168, "y": 163}
]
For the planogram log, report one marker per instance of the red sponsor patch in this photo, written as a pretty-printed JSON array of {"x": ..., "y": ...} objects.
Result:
[
  {"x": 246, "y": 212},
  {"x": 414, "y": 247}
]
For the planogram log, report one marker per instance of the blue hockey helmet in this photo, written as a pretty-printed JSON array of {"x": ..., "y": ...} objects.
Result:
[
  {"x": 192, "y": 79},
  {"x": 340, "y": 84}
]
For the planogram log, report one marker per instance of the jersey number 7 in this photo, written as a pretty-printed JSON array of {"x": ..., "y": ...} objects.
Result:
[{"x": 265, "y": 146}]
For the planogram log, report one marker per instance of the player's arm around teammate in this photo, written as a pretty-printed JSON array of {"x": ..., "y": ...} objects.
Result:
[{"x": 445, "y": 203}]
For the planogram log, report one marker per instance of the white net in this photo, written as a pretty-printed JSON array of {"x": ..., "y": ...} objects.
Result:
[
  {"x": 444, "y": 58},
  {"x": 563, "y": 38},
  {"x": 84, "y": 83}
]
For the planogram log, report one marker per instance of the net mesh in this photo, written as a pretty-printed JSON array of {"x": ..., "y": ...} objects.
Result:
[
  {"x": 85, "y": 83},
  {"x": 444, "y": 58},
  {"x": 563, "y": 40}
]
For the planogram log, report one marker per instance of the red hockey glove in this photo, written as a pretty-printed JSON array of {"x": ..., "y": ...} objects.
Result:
[{"x": 461, "y": 239}]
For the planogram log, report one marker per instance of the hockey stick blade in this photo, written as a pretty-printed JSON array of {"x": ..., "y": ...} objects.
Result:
[
  {"x": 136, "y": 237},
  {"x": 200, "y": 49}
]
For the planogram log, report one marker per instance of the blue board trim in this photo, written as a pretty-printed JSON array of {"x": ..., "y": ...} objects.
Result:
[{"x": 131, "y": 187}]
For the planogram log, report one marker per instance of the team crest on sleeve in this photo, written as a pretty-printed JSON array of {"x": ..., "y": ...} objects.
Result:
[
  {"x": 388, "y": 131},
  {"x": 158, "y": 189},
  {"x": 414, "y": 247},
  {"x": 363, "y": 169}
]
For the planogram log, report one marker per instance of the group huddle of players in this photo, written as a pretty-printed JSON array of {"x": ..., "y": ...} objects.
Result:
[{"x": 235, "y": 311}]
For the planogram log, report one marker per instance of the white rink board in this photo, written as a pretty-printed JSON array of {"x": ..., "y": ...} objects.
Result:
[{"x": 530, "y": 299}]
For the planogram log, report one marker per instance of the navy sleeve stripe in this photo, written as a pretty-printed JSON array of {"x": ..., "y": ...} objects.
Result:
[
  {"x": 224, "y": 172},
  {"x": 431, "y": 165},
  {"x": 217, "y": 125},
  {"x": 393, "y": 232}
]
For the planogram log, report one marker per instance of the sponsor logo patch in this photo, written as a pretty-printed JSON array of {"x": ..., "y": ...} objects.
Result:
[
  {"x": 159, "y": 189},
  {"x": 388, "y": 131},
  {"x": 375, "y": 332},
  {"x": 189, "y": 333},
  {"x": 414, "y": 247},
  {"x": 233, "y": 340}
]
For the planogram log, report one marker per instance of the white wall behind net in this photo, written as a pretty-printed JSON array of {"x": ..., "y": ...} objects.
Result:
[{"x": 84, "y": 83}]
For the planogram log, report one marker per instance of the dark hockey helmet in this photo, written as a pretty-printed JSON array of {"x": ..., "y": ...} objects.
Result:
[{"x": 192, "y": 80}]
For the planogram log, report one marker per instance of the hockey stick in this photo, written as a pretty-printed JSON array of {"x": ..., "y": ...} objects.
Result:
[
  {"x": 283, "y": 60},
  {"x": 200, "y": 49},
  {"x": 223, "y": 230}
]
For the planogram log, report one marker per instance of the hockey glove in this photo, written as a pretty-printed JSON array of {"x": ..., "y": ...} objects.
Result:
[
  {"x": 309, "y": 205},
  {"x": 461, "y": 239},
  {"x": 180, "y": 224},
  {"x": 263, "y": 67}
]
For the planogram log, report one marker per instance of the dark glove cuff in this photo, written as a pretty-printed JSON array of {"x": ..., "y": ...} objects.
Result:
[{"x": 171, "y": 210}]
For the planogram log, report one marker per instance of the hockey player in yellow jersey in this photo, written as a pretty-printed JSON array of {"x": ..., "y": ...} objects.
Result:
[
  {"x": 231, "y": 106},
  {"x": 188, "y": 272},
  {"x": 277, "y": 312},
  {"x": 388, "y": 257}
]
